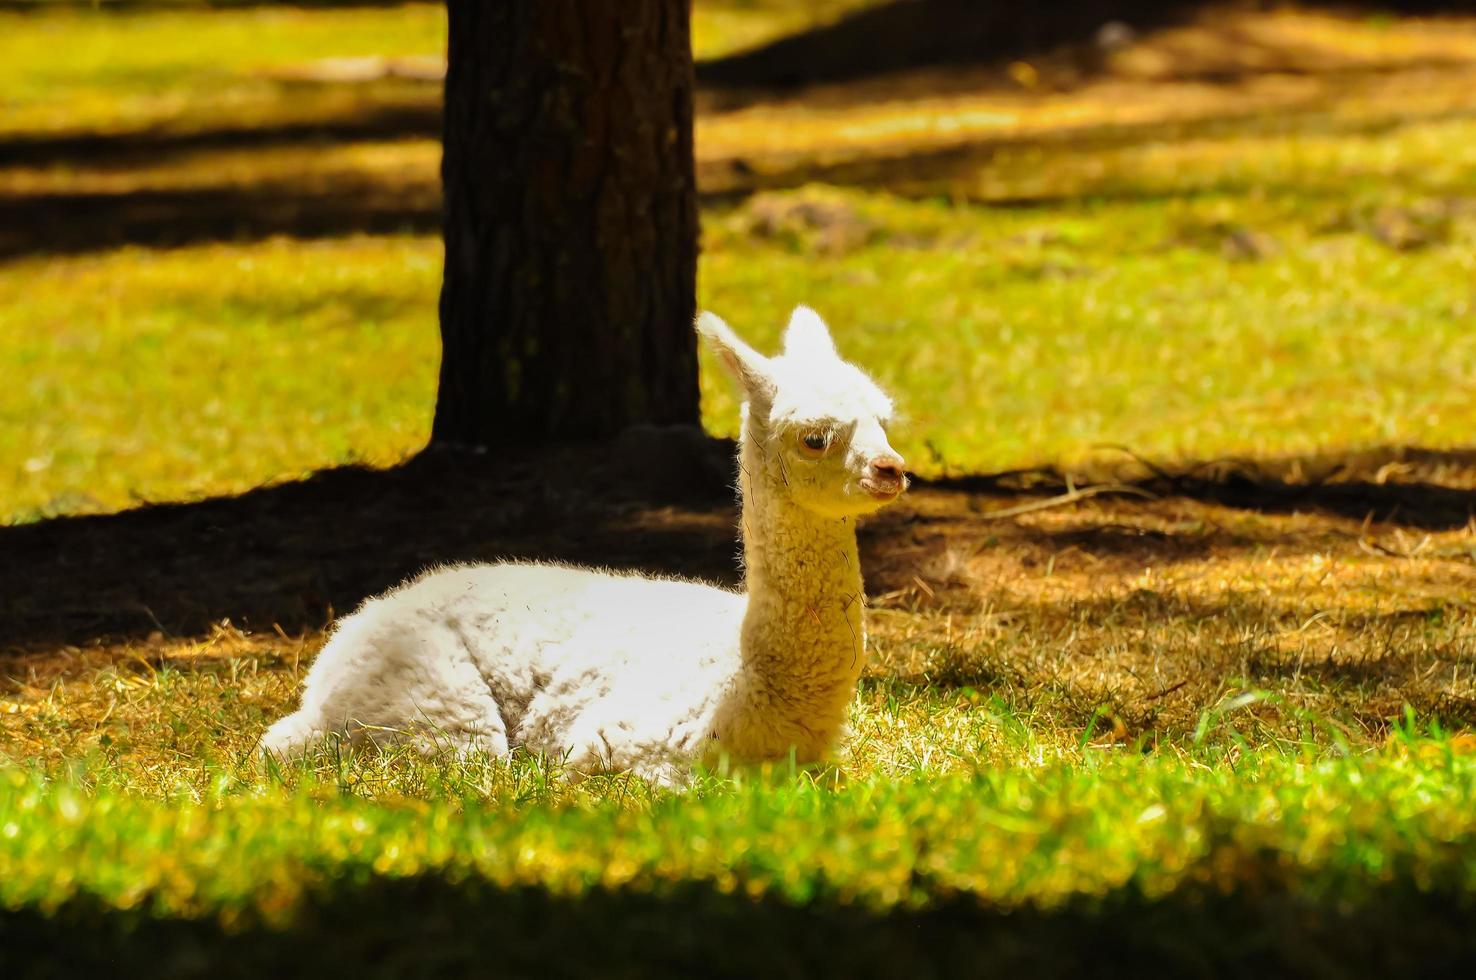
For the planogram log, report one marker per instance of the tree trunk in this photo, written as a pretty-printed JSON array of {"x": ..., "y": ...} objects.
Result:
[{"x": 571, "y": 221}]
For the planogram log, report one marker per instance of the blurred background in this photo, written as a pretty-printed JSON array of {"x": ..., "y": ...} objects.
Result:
[{"x": 1196, "y": 229}]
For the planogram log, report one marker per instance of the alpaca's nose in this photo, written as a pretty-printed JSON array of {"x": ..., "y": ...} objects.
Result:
[{"x": 888, "y": 469}]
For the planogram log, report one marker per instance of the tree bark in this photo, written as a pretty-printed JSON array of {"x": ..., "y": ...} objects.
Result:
[{"x": 571, "y": 221}]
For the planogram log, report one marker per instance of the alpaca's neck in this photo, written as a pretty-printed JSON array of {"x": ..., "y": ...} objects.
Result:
[
  {"x": 803, "y": 644},
  {"x": 797, "y": 560}
]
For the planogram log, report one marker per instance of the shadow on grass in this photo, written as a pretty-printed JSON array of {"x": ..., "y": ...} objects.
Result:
[
  {"x": 372, "y": 122},
  {"x": 908, "y": 34},
  {"x": 60, "y": 224},
  {"x": 307, "y": 206},
  {"x": 1367, "y": 485},
  {"x": 429, "y": 926},
  {"x": 296, "y": 554},
  {"x": 135, "y": 6},
  {"x": 952, "y": 170},
  {"x": 905, "y": 35}
]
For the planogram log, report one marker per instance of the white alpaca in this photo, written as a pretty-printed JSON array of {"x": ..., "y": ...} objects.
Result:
[{"x": 613, "y": 672}]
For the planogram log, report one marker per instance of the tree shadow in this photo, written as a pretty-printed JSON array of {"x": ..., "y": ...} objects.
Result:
[
  {"x": 367, "y": 122},
  {"x": 136, "y": 6},
  {"x": 927, "y": 557},
  {"x": 1235, "y": 912},
  {"x": 62, "y": 224},
  {"x": 1396, "y": 485},
  {"x": 950, "y": 171},
  {"x": 1423, "y": 506},
  {"x": 297, "y": 554},
  {"x": 906, "y": 35},
  {"x": 72, "y": 223}
]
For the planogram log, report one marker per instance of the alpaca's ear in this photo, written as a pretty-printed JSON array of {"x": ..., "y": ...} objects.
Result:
[
  {"x": 748, "y": 366},
  {"x": 807, "y": 336}
]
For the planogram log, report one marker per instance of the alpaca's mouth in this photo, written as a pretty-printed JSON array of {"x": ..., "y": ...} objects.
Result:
[{"x": 883, "y": 491}]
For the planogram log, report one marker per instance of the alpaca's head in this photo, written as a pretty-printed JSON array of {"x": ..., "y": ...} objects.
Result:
[{"x": 819, "y": 424}]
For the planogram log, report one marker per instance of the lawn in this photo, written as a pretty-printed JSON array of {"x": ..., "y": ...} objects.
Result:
[{"x": 1216, "y": 713}]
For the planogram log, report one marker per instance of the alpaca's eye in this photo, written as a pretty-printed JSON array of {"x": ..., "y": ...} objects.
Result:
[{"x": 816, "y": 442}]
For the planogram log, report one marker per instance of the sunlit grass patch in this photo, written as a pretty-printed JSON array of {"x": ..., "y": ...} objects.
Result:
[
  {"x": 149, "y": 68},
  {"x": 211, "y": 370},
  {"x": 174, "y": 67},
  {"x": 1015, "y": 337},
  {"x": 1375, "y": 839},
  {"x": 1011, "y": 338}
]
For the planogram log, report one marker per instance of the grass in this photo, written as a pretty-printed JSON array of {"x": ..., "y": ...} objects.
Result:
[
  {"x": 1157, "y": 850},
  {"x": 169, "y": 66},
  {"x": 1094, "y": 323},
  {"x": 1158, "y": 727},
  {"x": 1269, "y": 286},
  {"x": 1005, "y": 835},
  {"x": 222, "y": 334},
  {"x": 176, "y": 68}
]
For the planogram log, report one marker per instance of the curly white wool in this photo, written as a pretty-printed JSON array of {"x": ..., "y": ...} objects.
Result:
[{"x": 613, "y": 672}]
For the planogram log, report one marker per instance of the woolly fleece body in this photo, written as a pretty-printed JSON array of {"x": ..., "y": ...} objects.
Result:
[{"x": 612, "y": 672}]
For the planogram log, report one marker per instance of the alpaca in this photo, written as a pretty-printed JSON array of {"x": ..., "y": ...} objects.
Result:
[{"x": 612, "y": 672}]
